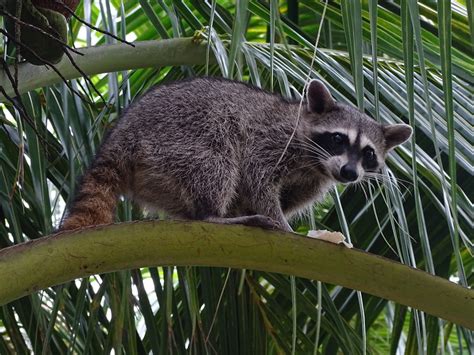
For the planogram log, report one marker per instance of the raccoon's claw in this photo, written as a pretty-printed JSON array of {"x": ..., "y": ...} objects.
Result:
[{"x": 333, "y": 237}]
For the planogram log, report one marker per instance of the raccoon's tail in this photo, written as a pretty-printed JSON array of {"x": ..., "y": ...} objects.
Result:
[{"x": 96, "y": 197}]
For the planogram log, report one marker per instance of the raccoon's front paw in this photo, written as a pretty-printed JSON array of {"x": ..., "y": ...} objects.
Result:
[{"x": 333, "y": 237}]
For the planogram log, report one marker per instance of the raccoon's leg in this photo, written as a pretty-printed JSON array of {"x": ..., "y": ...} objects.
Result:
[
  {"x": 214, "y": 212},
  {"x": 213, "y": 186},
  {"x": 266, "y": 202},
  {"x": 269, "y": 216}
]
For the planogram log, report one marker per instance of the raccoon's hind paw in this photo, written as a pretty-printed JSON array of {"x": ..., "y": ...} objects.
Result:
[
  {"x": 333, "y": 237},
  {"x": 252, "y": 221},
  {"x": 261, "y": 221}
]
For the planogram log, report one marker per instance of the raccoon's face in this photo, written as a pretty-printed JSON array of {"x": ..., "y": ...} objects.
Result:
[
  {"x": 346, "y": 154},
  {"x": 345, "y": 143}
]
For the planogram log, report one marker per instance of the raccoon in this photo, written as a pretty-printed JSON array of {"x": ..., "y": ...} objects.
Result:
[{"x": 219, "y": 150}]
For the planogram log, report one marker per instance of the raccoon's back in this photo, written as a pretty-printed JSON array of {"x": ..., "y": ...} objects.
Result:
[
  {"x": 201, "y": 109},
  {"x": 178, "y": 126}
]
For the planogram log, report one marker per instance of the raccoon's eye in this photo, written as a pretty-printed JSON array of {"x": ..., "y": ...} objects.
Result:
[
  {"x": 369, "y": 154},
  {"x": 337, "y": 138}
]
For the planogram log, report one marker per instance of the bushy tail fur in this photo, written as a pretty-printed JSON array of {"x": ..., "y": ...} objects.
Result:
[{"x": 96, "y": 198}]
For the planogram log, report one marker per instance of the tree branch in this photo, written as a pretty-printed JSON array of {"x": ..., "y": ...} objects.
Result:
[
  {"x": 109, "y": 58},
  {"x": 35, "y": 265}
]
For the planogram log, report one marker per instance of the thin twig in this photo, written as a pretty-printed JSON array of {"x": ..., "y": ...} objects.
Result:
[
  {"x": 71, "y": 12},
  {"x": 17, "y": 38},
  {"x": 84, "y": 75},
  {"x": 18, "y": 104},
  {"x": 10, "y": 99}
]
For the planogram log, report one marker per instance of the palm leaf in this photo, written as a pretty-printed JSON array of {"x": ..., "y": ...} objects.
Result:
[{"x": 416, "y": 69}]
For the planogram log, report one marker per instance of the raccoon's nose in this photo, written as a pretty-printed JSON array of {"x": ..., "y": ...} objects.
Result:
[{"x": 348, "y": 173}]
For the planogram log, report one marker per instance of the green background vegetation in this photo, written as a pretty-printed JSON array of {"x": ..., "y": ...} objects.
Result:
[{"x": 399, "y": 61}]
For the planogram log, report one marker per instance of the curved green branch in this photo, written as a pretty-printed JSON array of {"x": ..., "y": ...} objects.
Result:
[
  {"x": 52, "y": 260},
  {"x": 109, "y": 58}
]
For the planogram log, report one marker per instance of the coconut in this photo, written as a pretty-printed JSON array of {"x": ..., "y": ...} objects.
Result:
[{"x": 57, "y": 5}]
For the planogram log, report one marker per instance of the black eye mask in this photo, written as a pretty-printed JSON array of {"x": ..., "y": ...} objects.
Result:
[
  {"x": 369, "y": 159},
  {"x": 333, "y": 143},
  {"x": 337, "y": 143}
]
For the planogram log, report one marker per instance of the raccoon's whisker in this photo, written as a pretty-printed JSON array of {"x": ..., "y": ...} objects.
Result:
[
  {"x": 399, "y": 180},
  {"x": 388, "y": 180},
  {"x": 312, "y": 149},
  {"x": 368, "y": 179},
  {"x": 378, "y": 178},
  {"x": 316, "y": 151},
  {"x": 363, "y": 189},
  {"x": 395, "y": 220},
  {"x": 315, "y": 157},
  {"x": 305, "y": 144},
  {"x": 356, "y": 185},
  {"x": 315, "y": 164},
  {"x": 312, "y": 153},
  {"x": 309, "y": 142},
  {"x": 369, "y": 197},
  {"x": 308, "y": 166},
  {"x": 313, "y": 143},
  {"x": 380, "y": 187},
  {"x": 369, "y": 186}
]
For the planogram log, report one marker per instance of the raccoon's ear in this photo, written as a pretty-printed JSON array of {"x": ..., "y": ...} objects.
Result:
[
  {"x": 319, "y": 97},
  {"x": 396, "y": 134}
]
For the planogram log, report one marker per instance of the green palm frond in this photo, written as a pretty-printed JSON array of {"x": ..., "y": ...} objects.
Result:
[{"x": 401, "y": 61}]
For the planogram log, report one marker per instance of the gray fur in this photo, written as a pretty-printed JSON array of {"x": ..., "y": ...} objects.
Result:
[{"x": 208, "y": 149}]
